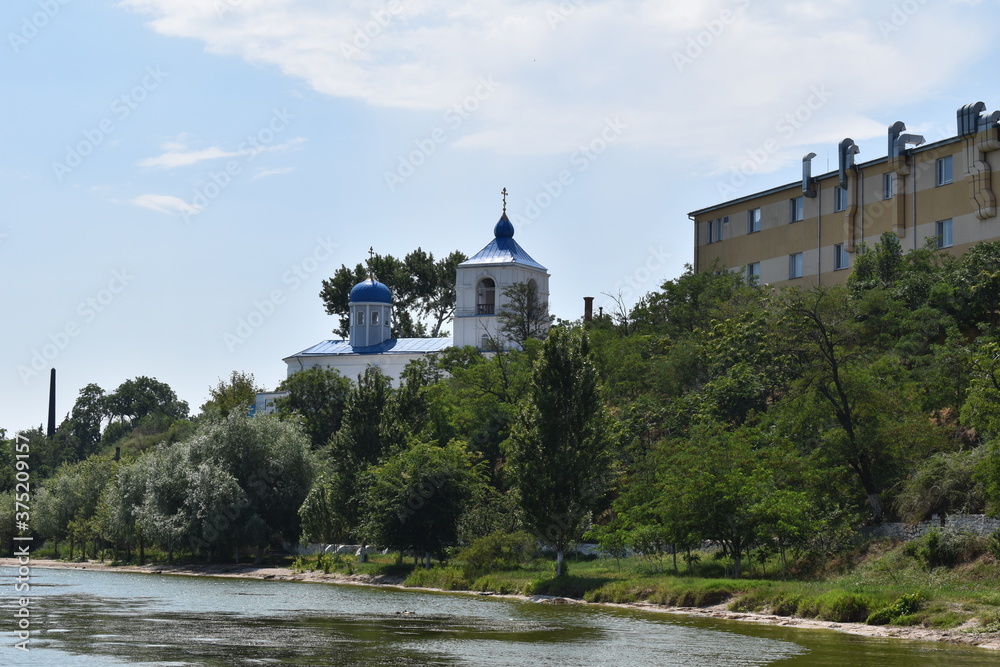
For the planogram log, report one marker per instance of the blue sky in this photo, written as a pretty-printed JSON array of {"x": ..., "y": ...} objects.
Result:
[{"x": 178, "y": 176}]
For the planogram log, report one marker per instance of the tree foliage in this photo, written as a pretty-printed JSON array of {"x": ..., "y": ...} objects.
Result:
[{"x": 422, "y": 289}]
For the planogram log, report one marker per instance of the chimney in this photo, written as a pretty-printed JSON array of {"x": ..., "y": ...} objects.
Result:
[
  {"x": 52, "y": 403},
  {"x": 588, "y": 308}
]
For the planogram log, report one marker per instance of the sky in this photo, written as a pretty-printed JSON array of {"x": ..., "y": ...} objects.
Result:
[{"x": 177, "y": 177}]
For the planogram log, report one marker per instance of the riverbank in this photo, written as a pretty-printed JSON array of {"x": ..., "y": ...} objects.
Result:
[{"x": 962, "y": 634}]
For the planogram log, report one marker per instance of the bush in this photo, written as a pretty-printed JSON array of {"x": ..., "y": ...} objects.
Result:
[
  {"x": 498, "y": 551},
  {"x": 938, "y": 548},
  {"x": 993, "y": 544},
  {"x": 906, "y": 606},
  {"x": 838, "y": 606}
]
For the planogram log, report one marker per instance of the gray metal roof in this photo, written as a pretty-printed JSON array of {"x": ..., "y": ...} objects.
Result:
[
  {"x": 503, "y": 250},
  {"x": 391, "y": 346}
]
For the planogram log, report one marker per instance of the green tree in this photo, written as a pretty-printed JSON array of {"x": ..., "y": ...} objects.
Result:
[
  {"x": 135, "y": 399},
  {"x": 86, "y": 418},
  {"x": 558, "y": 450},
  {"x": 415, "y": 497},
  {"x": 422, "y": 288},
  {"x": 319, "y": 396},
  {"x": 524, "y": 315},
  {"x": 239, "y": 393}
]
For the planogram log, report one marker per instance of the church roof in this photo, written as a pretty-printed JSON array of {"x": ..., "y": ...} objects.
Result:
[
  {"x": 503, "y": 249},
  {"x": 391, "y": 346},
  {"x": 370, "y": 291}
]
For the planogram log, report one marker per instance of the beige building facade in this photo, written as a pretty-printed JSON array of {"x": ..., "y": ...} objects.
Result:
[{"x": 808, "y": 233}]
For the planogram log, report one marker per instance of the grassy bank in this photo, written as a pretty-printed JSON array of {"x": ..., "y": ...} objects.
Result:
[{"x": 887, "y": 585}]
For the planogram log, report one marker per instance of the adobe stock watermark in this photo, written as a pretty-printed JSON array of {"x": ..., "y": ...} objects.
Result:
[
  {"x": 265, "y": 308},
  {"x": 561, "y": 13},
  {"x": 32, "y": 25},
  {"x": 218, "y": 181},
  {"x": 121, "y": 108},
  {"x": 713, "y": 29},
  {"x": 580, "y": 161},
  {"x": 365, "y": 34},
  {"x": 87, "y": 311},
  {"x": 786, "y": 128},
  {"x": 453, "y": 118},
  {"x": 901, "y": 14},
  {"x": 631, "y": 286}
]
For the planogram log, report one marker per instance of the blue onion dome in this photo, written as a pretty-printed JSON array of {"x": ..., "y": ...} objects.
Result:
[
  {"x": 370, "y": 291},
  {"x": 504, "y": 230}
]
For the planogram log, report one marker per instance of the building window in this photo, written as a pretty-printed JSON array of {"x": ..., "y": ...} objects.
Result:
[
  {"x": 795, "y": 265},
  {"x": 484, "y": 342},
  {"x": 942, "y": 171},
  {"x": 486, "y": 297},
  {"x": 753, "y": 220},
  {"x": 794, "y": 209},
  {"x": 753, "y": 273},
  {"x": 374, "y": 318},
  {"x": 886, "y": 186},
  {"x": 839, "y": 198},
  {"x": 841, "y": 260},
  {"x": 942, "y": 230},
  {"x": 360, "y": 313}
]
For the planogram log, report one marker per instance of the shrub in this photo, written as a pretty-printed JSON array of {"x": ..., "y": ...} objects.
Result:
[
  {"x": 938, "y": 548},
  {"x": 906, "y": 606},
  {"x": 841, "y": 607},
  {"x": 498, "y": 551}
]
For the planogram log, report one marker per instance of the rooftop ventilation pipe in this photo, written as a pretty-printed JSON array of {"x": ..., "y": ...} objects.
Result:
[
  {"x": 808, "y": 182},
  {"x": 846, "y": 152},
  {"x": 969, "y": 118},
  {"x": 895, "y": 130}
]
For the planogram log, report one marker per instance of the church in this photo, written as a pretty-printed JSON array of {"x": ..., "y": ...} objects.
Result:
[{"x": 479, "y": 285}]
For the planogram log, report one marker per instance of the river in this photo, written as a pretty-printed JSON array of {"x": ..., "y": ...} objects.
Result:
[{"x": 88, "y": 618}]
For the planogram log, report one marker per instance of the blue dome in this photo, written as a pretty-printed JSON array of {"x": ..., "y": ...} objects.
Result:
[
  {"x": 504, "y": 230},
  {"x": 370, "y": 291}
]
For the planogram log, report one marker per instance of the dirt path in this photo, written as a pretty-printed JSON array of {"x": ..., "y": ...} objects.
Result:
[{"x": 955, "y": 636}]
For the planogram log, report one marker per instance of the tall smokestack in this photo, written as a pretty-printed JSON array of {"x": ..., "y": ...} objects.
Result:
[
  {"x": 52, "y": 403},
  {"x": 588, "y": 308}
]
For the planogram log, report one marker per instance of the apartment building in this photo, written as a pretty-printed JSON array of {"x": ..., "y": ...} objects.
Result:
[{"x": 807, "y": 233}]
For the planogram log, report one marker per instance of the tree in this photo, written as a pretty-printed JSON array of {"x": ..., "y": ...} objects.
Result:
[
  {"x": 877, "y": 267},
  {"x": 270, "y": 462},
  {"x": 558, "y": 450},
  {"x": 135, "y": 399},
  {"x": 369, "y": 432},
  {"x": 421, "y": 286},
  {"x": 524, "y": 315},
  {"x": 239, "y": 393},
  {"x": 414, "y": 499},
  {"x": 89, "y": 412},
  {"x": 319, "y": 396}
]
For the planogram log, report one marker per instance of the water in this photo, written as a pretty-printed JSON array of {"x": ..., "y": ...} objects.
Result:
[{"x": 92, "y": 618}]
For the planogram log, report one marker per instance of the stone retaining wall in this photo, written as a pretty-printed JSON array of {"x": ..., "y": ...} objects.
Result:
[{"x": 971, "y": 523}]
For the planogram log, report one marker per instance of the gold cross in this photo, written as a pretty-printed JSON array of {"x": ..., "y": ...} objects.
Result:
[{"x": 504, "y": 193}]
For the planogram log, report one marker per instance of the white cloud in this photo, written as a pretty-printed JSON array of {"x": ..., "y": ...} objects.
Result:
[
  {"x": 702, "y": 80},
  {"x": 178, "y": 155},
  {"x": 165, "y": 204}
]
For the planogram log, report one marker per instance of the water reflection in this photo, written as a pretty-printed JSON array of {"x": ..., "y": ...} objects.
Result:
[{"x": 99, "y": 618}]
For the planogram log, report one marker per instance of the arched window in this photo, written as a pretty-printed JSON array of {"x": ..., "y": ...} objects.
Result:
[
  {"x": 374, "y": 318},
  {"x": 486, "y": 295},
  {"x": 360, "y": 313}
]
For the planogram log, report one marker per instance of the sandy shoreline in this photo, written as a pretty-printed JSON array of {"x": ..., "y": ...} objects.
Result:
[{"x": 246, "y": 571}]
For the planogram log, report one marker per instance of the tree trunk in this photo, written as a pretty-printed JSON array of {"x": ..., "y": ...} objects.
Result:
[
  {"x": 142, "y": 550},
  {"x": 258, "y": 558},
  {"x": 427, "y": 560},
  {"x": 364, "y": 551},
  {"x": 674, "y": 550},
  {"x": 559, "y": 562}
]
